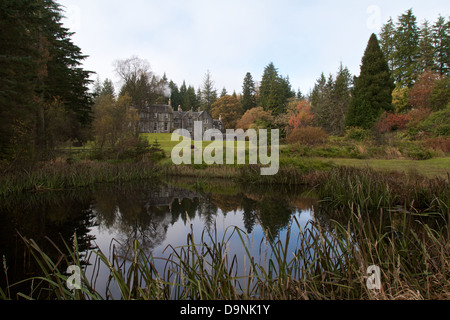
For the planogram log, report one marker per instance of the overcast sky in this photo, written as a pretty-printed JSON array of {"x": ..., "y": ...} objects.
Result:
[{"x": 185, "y": 38}]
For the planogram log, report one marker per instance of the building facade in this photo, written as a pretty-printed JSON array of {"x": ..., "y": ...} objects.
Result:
[{"x": 163, "y": 119}]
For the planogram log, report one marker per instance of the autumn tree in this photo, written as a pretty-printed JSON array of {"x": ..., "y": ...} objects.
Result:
[
  {"x": 302, "y": 117},
  {"x": 140, "y": 83},
  {"x": 229, "y": 109},
  {"x": 419, "y": 95},
  {"x": 115, "y": 120}
]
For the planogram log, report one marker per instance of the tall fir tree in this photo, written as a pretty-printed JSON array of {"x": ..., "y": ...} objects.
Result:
[
  {"x": 441, "y": 40},
  {"x": 274, "y": 91},
  {"x": 427, "y": 49},
  {"x": 372, "y": 91},
  {"x": 387, "y": 42},
  {"x": 248, "y": 93},
  {"x": 40, "y": 70},
  {"x": 208, "y": 93},
  {"x": 406, "y": 55}
]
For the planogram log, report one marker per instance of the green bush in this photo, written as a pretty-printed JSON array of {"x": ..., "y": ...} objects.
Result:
[{"x": 357, "y": 134}]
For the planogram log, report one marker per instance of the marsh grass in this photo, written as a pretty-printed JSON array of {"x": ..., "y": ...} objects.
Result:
[
  {"x": 61, "y": 175},
  {"x": 314, "y": 262}
]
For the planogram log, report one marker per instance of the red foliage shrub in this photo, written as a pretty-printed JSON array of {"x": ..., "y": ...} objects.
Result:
[
  {"x": 391, "y": 122},
  {"x": 439, "y": 143}
]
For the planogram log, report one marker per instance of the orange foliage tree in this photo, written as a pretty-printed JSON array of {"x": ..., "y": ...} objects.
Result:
[{"x": 303, "y": 116}]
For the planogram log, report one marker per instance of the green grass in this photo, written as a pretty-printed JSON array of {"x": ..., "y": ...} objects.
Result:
[{"x": 429, "y": 168}]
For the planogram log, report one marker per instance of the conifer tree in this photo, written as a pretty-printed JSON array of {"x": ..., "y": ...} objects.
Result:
[
  {"x": 248, "y": 93},
  {"x": 407, "y": 53},
  {"x": 372, "y": 91}
]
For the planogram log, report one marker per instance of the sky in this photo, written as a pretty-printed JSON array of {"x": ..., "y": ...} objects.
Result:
[{"x": 187, "y": 38}]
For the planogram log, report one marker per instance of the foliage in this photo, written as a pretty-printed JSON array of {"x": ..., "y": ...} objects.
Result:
[
  {"x": 308, "y": 135},
  {"x": 411, "y": 50},
  {"x": 330, "y": 101},
  {"x": 229, "y": 109},
  {"x": 208, "y": 93},
  {"x": 38, "y": 64},
  {"x": 419, "y": 94},
  {"x": 303, "y": 117},
  {"x": 248, "y": 93},
  {"x": 400, "y": 98},
  {"x": 356, "y": 133},
  {"x": 254, "y": 115},
  {"x": 440, "y": 96},
  {"x": 274, "y": 91},
  {"x": 372, "y": 93},
  {"x": 114, "y": 120},
  {"x": 392, "y": 122}
]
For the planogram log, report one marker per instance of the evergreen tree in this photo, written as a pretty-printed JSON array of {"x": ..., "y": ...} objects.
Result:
[
  {"x": 372, "y": 91},
  {"x": 208, "y": 93},
  {"x": 387, "y": 42},
  {"x": 224, "y": 92},
  {"x": 441, "y": 40},
  {"x": 406, "y": 55},
  {"x": 40, "y": 70},
  {"x": 275, "y": 91},
  {"x": 174, "y": 95},
  {"x": 248, "y": 93},
  {"x": 427, "y": 50}
]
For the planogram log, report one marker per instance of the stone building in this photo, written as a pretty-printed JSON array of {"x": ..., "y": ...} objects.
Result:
[{"x": 163, "y": 119}]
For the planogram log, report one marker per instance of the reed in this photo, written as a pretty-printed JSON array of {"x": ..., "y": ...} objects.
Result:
[{"x": 60, "y": 175}]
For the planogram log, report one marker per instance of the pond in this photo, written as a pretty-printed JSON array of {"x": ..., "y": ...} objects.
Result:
[{"x": 156, "y": 214}]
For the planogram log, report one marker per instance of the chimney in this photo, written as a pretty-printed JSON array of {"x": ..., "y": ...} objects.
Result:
[
  {"x": 179, "y": 108},
  {"x": 220, "y": 117},
  {"x": 170, "y": 102}
]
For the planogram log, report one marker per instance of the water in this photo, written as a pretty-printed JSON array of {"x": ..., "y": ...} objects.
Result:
[{"x": 156, "y": 215}]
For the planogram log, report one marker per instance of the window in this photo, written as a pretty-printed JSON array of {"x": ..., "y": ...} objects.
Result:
[
  {"x": 167, "y": 116},
  {"x": 155, "y": 115},
  {"x": 166, "y": 126},
  {"x": 155, "y": 126}
]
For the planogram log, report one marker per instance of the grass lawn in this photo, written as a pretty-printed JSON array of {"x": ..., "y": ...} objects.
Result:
[{"x": 429, "y": 168}]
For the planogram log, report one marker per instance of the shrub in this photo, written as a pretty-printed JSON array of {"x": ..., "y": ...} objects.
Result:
[
  {"x": 355, "y": 133},
  {"x": 309, "y": 136},
  {"x": 392, "y": 122}
]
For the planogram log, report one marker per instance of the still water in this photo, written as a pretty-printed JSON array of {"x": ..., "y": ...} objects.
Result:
[{"x": 156, "y": 214}]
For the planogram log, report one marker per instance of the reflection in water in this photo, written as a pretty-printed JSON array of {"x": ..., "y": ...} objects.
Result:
[{"x": 156, "y": 215}]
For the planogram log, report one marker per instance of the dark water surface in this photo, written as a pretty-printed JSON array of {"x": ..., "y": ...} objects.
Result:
[{"x": 155, "y": 214}]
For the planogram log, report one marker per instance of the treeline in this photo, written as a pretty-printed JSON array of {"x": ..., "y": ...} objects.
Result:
[
  {"x": 44, "y": 94},
  {"x": 406, "y": 67}
]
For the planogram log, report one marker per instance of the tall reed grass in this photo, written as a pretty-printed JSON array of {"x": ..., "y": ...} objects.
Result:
[{"x": 61, "y": 175}]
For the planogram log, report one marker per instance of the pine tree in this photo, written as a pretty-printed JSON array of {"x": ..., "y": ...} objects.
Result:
[
  {"x": 248, "y": 93},
  {"x": 427, "y": 50},
  {"x": 40, "y": 67},
  {"x": 372, "y": 91},
  {"x": 441, "y": 40},
  {"x": 387, "y": 42},
  {"x": 208, "y": 93},
  {"x": 406, "y": 55},
  {"x": 275, "y": 91}
]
